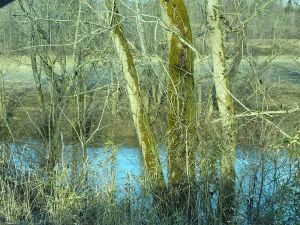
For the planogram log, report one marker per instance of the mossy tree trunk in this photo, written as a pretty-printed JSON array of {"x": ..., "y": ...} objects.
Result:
[
  {"x": 181, "y": 107},
  {"x": 226, "y": 111},
  {"x": 152, "y": 166}
]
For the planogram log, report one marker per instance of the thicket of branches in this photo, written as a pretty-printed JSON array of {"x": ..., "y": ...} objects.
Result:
[{"x": 203, "y": 79}]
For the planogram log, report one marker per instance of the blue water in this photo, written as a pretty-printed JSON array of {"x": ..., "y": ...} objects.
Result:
[
  {"x": 264, "y": 179},
  {"x": 257, "y": 174}
]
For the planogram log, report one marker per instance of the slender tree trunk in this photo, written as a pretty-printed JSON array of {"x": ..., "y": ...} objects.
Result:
[
  {"x": 226, "y": 110},
  {"x": 181, "y": 108},
  {"x": 37, "y": 76},
  {"x": 238, "y": 49},
  {"x": 198, "y": 89},
  {"x": 34, "y": 64},
  {"x": 49, "y": 122},
  {"x": 152, "y": 166},
  {"x": 82, "y": 120},
  {"x": 140, "y": 28}
]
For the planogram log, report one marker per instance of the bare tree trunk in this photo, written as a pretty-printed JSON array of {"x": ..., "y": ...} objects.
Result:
[
  {"x": 33, "y": 40},
  {"x": 140, "y": 28},
  {"x": 48, "y": 56},
  {"x": 81, "y": 127},
  {"x": 226, "y": 110},
  {"x": 181, "y": 108},
  {"x": 198, "y": 89},
  {"x": 37, "y": 74},
  {"x": 151, "y": 162}
]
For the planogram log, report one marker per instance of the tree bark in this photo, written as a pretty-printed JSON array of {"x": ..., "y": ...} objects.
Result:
[
  {"x": 181, "y": 107},
  {"x": 152, "y": 166},
  {"x": 226, "y": 111}
]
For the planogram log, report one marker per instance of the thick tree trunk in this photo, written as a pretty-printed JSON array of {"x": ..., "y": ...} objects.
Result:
[
  {"x": 226, "y": 110},
  {"x": 181, "y": 107},
  {"x": 152, "y": 166}
]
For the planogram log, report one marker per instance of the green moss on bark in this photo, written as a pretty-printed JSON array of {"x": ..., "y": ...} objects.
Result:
[
  {"x": 181, "y": 101},
  {"x": 181, "y": 108},
  {"x": 151, "y": 162}
]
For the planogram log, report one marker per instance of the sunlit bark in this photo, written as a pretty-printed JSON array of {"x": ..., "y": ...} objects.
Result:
[
  {"x": 226, "y": 111},
  {"x": 151, "y": 162}
]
